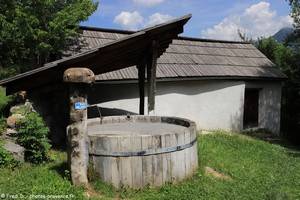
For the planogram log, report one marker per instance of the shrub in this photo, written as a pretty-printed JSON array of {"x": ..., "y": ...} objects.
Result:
[
  {"x": 4, "y": 100},
  {"x": 6, "y": 159},
  {"x": 32, "y": 135},
  {"x": 2, "y": 125}
]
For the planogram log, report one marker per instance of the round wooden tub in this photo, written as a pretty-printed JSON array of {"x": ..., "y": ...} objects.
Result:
[{"x": 138, "y": 151}]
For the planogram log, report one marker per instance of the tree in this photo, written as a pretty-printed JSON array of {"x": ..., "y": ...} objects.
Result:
[
  {"x": 287, "y": 59},
  {"x": 244, "y": 37},
  {"x": 281, "y": 55},
  {"x": 295, "y": 13},
  {"x": 33, "y": 32},
  {"x": 294, "y": 39},
  {"x": 286, "y": 56}
]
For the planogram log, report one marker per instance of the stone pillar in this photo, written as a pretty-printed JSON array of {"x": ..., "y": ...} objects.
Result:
[{"x": 79, "y": 80}]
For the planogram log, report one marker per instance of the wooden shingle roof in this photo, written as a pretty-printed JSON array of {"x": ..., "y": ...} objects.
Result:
[
  {"x": 190, "y": 58},
  {"x": 102, "y": 55}
]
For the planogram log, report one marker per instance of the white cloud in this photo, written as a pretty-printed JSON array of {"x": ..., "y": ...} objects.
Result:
[
  {"x": 129, "y": 20},
  {"x": 134, "y": 20},
  {"x": 158, "y": 18},
  {"x": 148, "y": 3},
  {"x": 256, "y": 21}
]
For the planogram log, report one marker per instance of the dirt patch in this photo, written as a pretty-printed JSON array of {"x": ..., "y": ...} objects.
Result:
[
  {"x": 216, "y": 174},
  {"x": 206, "y": 132},
  {"x": 90, "y": 192}
]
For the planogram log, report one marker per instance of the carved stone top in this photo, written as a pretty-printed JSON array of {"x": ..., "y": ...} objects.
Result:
[{"x": 79, "y": 75}]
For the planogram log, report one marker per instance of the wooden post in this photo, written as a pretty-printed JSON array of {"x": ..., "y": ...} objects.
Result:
[
  {"x": 151, "y": 77},
  {"x": 78, "y": 156},
  {"x": 141, "y": 72}
]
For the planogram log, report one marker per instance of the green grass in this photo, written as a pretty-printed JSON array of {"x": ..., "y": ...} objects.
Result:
[
  {"x": 259, "y": 170},
  {"x": 45, "y": 179}
]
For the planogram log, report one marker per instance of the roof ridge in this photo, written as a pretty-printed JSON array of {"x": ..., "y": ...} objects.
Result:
[
  {"x": 92, "y": 28},
  {"x": 219, "y": 65},
  {"x": 207, "y": 54},
  {"x": 212, "y": 40},
  {"x": 113, "y": 30}
]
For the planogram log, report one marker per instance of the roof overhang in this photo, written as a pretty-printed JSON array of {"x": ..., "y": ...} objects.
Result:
[
  {"x": 122, "y": 53},
  {"x": 196, "y": 78}
]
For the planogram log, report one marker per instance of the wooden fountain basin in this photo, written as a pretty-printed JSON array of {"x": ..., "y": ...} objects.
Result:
[{"x": 140, "y": 151}]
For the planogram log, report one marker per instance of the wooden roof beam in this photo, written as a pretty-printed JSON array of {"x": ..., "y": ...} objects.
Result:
[{"x": 151, "y": 76}]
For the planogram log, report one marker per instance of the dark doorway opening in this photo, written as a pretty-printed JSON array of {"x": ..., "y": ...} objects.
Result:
[{"x": 251, "y": 108}]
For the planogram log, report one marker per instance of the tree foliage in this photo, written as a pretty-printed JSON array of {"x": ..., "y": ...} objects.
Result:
[
  {"x": 288, "y": 60},
  {"x": 295, "y": 12},
  {"x": 4, "y": 100},
  {"x": 33, "y": 32},
  {"x": 283, "y": 56},
  {"x": 294, "y": 39},
  {"x": 286, "y": 56}
]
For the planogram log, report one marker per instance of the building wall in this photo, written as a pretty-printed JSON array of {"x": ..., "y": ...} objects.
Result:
[
  {"x": 211, "y": 104},
  {"x": 269, "y": 104}
]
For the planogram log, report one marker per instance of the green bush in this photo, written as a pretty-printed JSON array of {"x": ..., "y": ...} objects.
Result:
[
  {"x": 32, "y": 135},
  {"x": 3, "y": 125},
  {"x": 6, "y": 159},
  {"x": 4, "y": 100}
]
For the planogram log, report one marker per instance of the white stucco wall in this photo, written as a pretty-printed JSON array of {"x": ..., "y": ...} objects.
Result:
[
  {"x": 214, "y": 104},
  {"x": 269, "y": 104},
  {"x": 211, "y": 104}
]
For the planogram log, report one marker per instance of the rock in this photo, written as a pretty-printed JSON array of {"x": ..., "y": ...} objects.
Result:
[
  {"x": 22, "y": 109},
  {"x": 9, "y": 134},
  {"x": 29, "y": 105},
  {"x": 14, "y": 109},
  {"x": 21, "y": 96},
  {"x": 16, "y": 150},
  {"x": 12, "y": 120}
]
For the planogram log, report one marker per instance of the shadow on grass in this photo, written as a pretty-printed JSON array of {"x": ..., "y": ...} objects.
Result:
[
  {"x": 62, "y": 169},
  {"x": 267, "y": 136}
]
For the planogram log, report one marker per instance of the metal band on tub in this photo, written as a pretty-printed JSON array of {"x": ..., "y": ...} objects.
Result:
[{"x": 145, "y": 152}]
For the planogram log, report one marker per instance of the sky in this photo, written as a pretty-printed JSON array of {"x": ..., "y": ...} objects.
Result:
[{"x": 214, "y": 19}]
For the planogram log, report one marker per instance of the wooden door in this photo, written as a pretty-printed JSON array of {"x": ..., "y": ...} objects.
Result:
[{"x": 251, "y": 108}]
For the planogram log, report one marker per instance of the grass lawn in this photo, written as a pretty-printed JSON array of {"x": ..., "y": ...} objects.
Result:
[{"x": 258, "y": 170}]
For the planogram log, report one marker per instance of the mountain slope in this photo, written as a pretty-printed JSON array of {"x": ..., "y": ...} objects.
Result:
[{"x": 282, "y": 34}]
